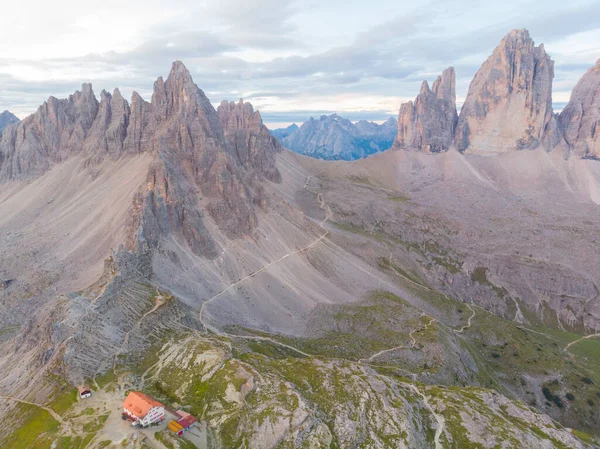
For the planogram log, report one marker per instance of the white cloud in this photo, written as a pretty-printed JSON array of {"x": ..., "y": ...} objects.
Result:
[{"x": 287, "y": 55}]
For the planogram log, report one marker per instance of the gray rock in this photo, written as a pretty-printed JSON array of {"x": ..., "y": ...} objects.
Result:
[
  {"x": 282, "y": 133},
  {"x": 580, "y": 119},
  {"x": 250, "y": 138},
  {"x": 336, "y": 138},
  {"x": 7, "y": 118},
  {"x": 509, "y": 102},
  {"x": 428, "y": 124}
]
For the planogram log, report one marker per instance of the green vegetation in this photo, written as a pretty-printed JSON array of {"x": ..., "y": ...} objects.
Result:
[
  {"x": 36, "y": 429},
  {"x": 107, "y": 378},
  {"x": 399, "y": 198},
  {"x": 381, "y": 322},
  {"x": 63, "y": 400},
  {"x": 165, "y": 439}
]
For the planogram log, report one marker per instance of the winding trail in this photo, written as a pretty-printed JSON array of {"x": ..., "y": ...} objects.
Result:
[
  {"x": 587, "y": 337},
  {"x": 468, "y": 325},
  {"x": 323, "y": 205},
  {"x": 55, "y": 415},
  {"x": 412, "y": 343},
  {"x": 439, "y": 418}
]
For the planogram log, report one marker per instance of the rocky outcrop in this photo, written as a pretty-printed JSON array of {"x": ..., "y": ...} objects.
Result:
[
  {"x": 7, "y": 118},
  {"x": 428, "y": 124},
  {"x": 336, "y": 138},
  {"x": 223, "y": 156},
  {"x": 109, "y": 129},
  {"x": 250, "y": 138},
  {"x": 580, "y": 119},
  {"x": 509, "y": 102},
  {"x": 57, "y": 130}
]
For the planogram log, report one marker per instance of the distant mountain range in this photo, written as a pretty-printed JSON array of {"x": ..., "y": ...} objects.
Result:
[
  {"x": 336, "y": 138},
  {"x": 282, "y": 133},
  {"x": 7, "y": 118}
]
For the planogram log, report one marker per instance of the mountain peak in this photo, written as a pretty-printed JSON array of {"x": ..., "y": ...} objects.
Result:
[
  {"x": 335, "y": 137},
  {"x": 445, "y": 85},
  {"x": 580, "y": 118},
  {"x": 509, "y": 102},
  {"x": 7, "y": 118},
  {"x": 179, "y": 68},
  {"x": 518, "y": 34},
  {"x": 428, "y": 124}
]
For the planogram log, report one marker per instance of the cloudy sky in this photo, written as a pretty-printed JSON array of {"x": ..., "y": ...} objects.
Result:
[{"x": 291, "y": 59}]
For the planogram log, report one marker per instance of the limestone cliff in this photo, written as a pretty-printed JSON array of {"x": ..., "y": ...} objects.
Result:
[
  {"x": 222, "y": 156},
  {"x": 580, "y": 119},
  {"x": 250, "y": 138},
  {"x": 428, "y": 124},
  {"x": 509, "y": 102}
]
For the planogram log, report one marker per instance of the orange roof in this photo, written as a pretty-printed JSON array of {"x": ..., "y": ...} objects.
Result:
[{"x": 139, "y": 404}]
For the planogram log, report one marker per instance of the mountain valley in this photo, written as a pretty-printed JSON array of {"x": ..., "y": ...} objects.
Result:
[{"x": 442, "y": 293}]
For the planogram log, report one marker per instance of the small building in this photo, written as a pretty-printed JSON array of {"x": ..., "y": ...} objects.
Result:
[
  {"x": 185, "y": 422},
  {"x": 142, "y": 409},
  {"x": 84, "y": 391}
]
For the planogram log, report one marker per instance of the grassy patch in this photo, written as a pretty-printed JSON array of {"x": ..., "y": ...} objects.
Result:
[
  {"x": 37, "y": 428},
  {"x": 63, "y": 401},
  {"x": 399, "y": 198}
]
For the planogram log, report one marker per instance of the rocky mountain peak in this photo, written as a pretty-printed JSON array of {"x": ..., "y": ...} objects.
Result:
[
  {"x": 428, "y": 123},
  {"x": 249, "y": 137},
  {"x": 7, "y": 118},
  {"x": 509, "y": 102},
  {"x": 336, "y": 138},
  {"x": 444, "y": 86},
  {"x": 580, "y": 119}
]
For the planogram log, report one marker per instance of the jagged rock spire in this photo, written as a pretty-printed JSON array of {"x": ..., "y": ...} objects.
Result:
[
  {"x": 509, "y": 102},
  {"x": 580, "y": 119},
  {"x": 428, "y": 123}
]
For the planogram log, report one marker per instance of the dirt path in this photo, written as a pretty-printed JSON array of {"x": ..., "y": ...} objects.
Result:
[
  {"x": 412, "y": 343},
  {"x": 323, "y": 205},
  {"x": 468, "y": 325},
  {"x": 55, "y": 415},
  {"x": 439, "y": 418},
  {"x": 587, "y": 337}
]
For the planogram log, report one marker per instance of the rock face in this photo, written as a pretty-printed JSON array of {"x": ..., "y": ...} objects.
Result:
[
  {"x": 336, "y": 138},
  {"x": 509, "y": 102},
  {"x": 250, "y": 138},
  {"x": 580, "y": 119},
  {"x": 7, "y": 118},
  {"x": 428, "y": 124},
  {"x": 224, "y": 156}
]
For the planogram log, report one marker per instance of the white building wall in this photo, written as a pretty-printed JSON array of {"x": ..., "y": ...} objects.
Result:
[{"x": 154, "y": 415}]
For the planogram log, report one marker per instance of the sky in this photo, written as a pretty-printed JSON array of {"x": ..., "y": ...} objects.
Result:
[{"x": 290, "y": 59}]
